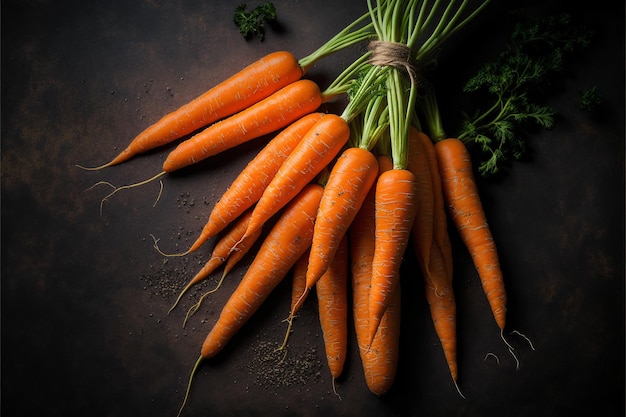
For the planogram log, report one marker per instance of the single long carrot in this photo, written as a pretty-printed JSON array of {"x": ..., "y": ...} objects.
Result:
[
  {"x": 432, "y": 247},
  {"x": 332, "y": 297},
  {"x": 349, "y": 181},
  {"x": 285, "y": 243},
  {"x": 249, "y": 185},
  {"x": 468, "y": 215},
  {"x": 380, "y": 357},
  {"x": 315, "y": 151},
  {"x": 423, "y": 227},
  {"x": 268, "y": 115},
  {"x": 222, "y": 252},
  {"x": 395, "y": 212},
  {"x": 248, "y": 86}
]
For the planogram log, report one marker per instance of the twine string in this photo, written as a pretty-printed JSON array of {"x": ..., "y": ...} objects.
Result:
[{"x": 393, "y": 54}]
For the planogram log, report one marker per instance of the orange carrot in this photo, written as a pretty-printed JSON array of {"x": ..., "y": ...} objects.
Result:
[
  {"x": 384, "y": 163},
  {"x": 314, "y": 152},
  {"x": 432, "y": 244},
  {"x": 395, "y": 212},
  {"x": 332, "y": 296},
  {"x": 351, "y": 178},
  {"x": 221, "y": 252},
  {"x": 380, "y": 358},
  {"x": 468, "y": 215},
  {"x": 423, "y": 227},
  {"x": 285, "y": 243},
  {"x": 250, "y": 85},
  {"x": 268, "y": 115},
  {"x": 249, "y": 185}
]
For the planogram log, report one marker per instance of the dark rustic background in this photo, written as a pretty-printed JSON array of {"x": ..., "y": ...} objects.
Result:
[{"x": 85, "y": 296}]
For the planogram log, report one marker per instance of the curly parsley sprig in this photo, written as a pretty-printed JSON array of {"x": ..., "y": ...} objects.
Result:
[
  {"x": 535, "y": 51},
  {"x": 251, "y": 23}
]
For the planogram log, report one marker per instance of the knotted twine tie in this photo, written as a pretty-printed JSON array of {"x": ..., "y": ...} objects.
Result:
[{"x": 393, "y": 54}]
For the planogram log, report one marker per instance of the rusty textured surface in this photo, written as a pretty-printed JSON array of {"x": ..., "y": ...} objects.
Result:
[{"x": 85, "y": 329}]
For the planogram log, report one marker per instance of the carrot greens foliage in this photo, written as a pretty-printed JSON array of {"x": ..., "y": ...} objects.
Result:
[{"x": 536, "y": 50}]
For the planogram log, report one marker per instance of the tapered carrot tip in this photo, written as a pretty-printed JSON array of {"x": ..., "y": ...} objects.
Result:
[
  {"x": 123, "y": 156},
  {"x": 193, "y": 373}
]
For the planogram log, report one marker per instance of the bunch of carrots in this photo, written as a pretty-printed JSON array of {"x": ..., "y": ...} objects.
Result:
[{"x": 347, "y": 194}]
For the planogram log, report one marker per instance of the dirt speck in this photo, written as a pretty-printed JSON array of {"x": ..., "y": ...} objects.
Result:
[{"x": 272, "y": 368}]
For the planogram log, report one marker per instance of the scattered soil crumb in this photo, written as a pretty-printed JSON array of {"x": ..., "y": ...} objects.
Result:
[
  {"x": 168, "y": 278},
  {"x": 277, "y": 368}
]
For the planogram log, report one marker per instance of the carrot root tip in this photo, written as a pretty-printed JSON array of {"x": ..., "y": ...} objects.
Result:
[
  {"x": 492, "y": 355},
  {"x": 194, "y": 308},
  {"x": 193, "y": 373},
  {"x": 335, "y": 388},
  {"x": 458, "y": 389},
  {"x": 287, "y": 333},
  {"x": 516, "y": 359},
  {"x": 156, "y": 247},
  {"x": 108, "y": 164},
  {"x": 523, "y": 336},
  {"x": 100, "y": 183},
  {"x": 125, "y": 187}
]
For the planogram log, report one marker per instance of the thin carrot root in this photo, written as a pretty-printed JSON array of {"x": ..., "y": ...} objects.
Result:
[
  {"x": 525, "y": 338},
  {"x": 156, "y": 246},
  {"x": 159, "y": 194},
  {"x": 108, "y": 164},
  {"x": 492, "y": 355},
  {"x": 287, "y": 333},
  {"x": 100, "y": 183},
  {"x": 335, "y": 388},
  {"x": 511, "y": 349},
  {"x": 138, "y": 184},
  {"x": 192, "y": 310},
  {"x": 180, "y": 296},
  {"x": 193, "y": 373},
  {"x": 458, "y": 389},
  {"x": 283, "y": 358}
]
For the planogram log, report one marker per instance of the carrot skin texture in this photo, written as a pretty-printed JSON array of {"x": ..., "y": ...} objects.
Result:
[
  {"x": 332, "y": 296},
  {"x": 423, "y": 227},
  {"x": 395, "y": 213},
  {"x": 314, "y": 152},
  {"x": 468, "y": 215},
  {"x": 299, "y": 281},
  {"x": 288, "y": 239},
  {"x": 440, "y": 297},
  {"x": 432, "y": 246},
  {"x": 249, "y": 185},
  {"x": 248, "y": 86},
  {"x": 350, "y": 179},
  {"x": 268, "y": 115}
]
